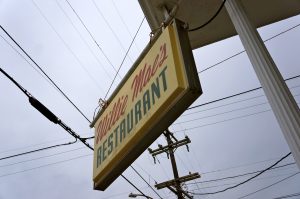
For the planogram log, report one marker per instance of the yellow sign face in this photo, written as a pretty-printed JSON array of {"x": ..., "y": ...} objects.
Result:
[{"x": 153, "y": 88}]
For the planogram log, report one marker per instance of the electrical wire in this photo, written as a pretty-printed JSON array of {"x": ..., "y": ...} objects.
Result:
[
  {"x": 222, "y": 113},
  {"x": 111, "y": 29},
  {"x": 39, "y": 67},
  {"x": 90, "y": 34},
  {"x": 239, "y": 166},
  {"x": 145, "y": 181},
  {"x": 240, "y": 175},
  {"x": 29, "y": 63},
  {"x": 224, "y": 60},
  {"x": 125, "y": 57},
  {"x": 81, "y": 37},
  {"x": 237, "y": 94},
  {"x": 288, "y": 196},
  {"x": 245, "y": 181},
  {"x": 117, "y": 73},
  {"x": 41, "y": 157},
  {"x": 33, "y": 145},
  {"x": 224, "y": 98},
  {"x": 88, "y": 138},
  {"x": 67, "y": 46},
  {"x": 48, "y": 114},
  {"x": 226, "y": 120},
  {"x": 46, "y": 157},
  {"x": 150, "y": 176},
  {"x": 235, "y": 102},
  {"x": 65, "y": 127},
  {"x": 223, "y": 105},
  {"x": 234, "y": 183},
  {"x": 124, "y": 23},
  {"x": 186, "y": 167},
  {"x": 222, "y": 121},
  {"x": 133, "y": 185},
  {"x": 45, "y": 165},
  {"x": 285, "y": 31},
  {"x": 38, "y": 150},
  {"x": 211, "y": 19},
  {"x": 270, "y": 185},
  {"x": 225, "y": 112}
]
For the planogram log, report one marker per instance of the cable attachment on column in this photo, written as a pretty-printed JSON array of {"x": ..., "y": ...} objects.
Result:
[
  {"x": 102, "y": 104},
  {"x": 169, "y": 16}
]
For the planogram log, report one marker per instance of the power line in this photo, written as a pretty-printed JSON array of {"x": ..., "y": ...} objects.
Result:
[
  {"x": 45, "y": 74},
  {"x": 109, "y": 26},
  {"x": 81, "y": 37},
  {"x": 269, "y": 185},
  {"x": 38, "y": 150},
  {"x": 145, "y": 181},
  {"x": 249, "y": 179},
  {"x": 234, "y": 183},
  {"x": 288, "y": 196},
  {"x": 125, "y": 57},
  {"x": 124, "y": 23},
  {"x": 67, "y": 46},
  {"x": 241, "y": 175},
  {"x": 29, "y": 146},
  {"x": 225, "y": 112},
  {"x": 183, "y": 163},
  {"x": 90, "y": 34},
  {"x": 150, "y": 176},
  {"x": 224, "y": 98},
  {"x": 237, "y": 94},
  {"x": 223, "y": 105},
  {"x": 222, "y": 113},
  {"x": 285, "y": 31},
  {"x": 48, "y": 114},
  {"x": 29, "y": 63},
  {"x": 211, "y": 19},
  {"x": 41, "y": 143},
  {"x": 41, "y": 157},
  {"x": 235, "y": 102},
  {"x": 226, "y": 120},
  {"x": 220, "y": 62},
  {"x": 45, "y": 165},
  {"x": 132, "y": 185},
  {"x": 117, "y": 72},
  {"x": 239, "y": 166}
]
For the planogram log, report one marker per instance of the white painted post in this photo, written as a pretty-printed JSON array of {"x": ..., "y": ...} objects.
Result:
[{"x": 279, "y": 96}]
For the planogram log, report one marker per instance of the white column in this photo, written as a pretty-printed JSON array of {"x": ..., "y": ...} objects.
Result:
[{"x": 279, "y": 96}]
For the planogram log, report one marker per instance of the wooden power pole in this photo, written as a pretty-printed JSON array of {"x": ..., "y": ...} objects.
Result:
[{"x": 175, "y": 184}]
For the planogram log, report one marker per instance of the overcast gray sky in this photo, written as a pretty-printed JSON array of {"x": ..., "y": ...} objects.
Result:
[{"x": 52, "y": 34}]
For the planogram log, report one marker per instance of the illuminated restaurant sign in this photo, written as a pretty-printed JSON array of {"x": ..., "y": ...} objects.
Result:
[{"x": 158, "y": 88}]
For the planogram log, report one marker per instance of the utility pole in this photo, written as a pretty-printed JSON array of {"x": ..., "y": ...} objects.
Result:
[{"x": 175, "y": 184}]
